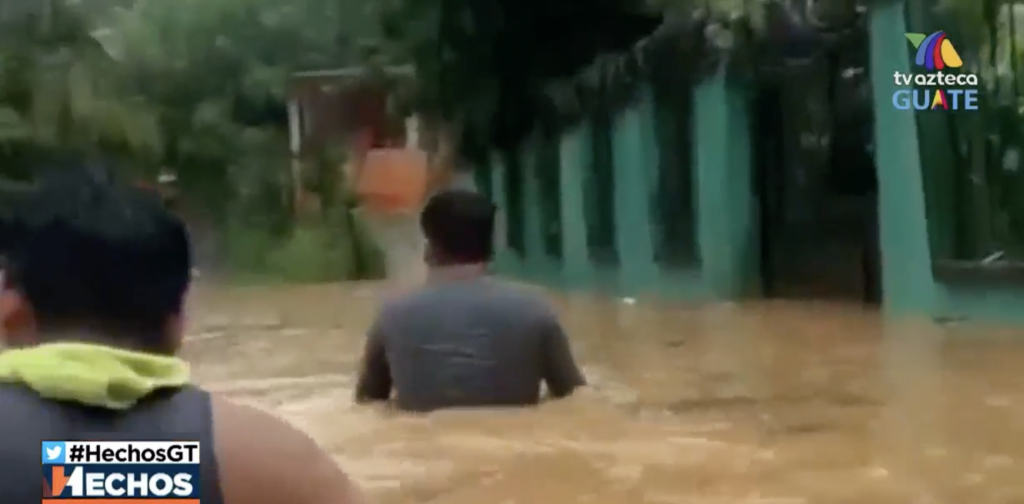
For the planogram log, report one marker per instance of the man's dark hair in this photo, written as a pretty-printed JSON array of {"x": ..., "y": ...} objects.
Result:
[
  {"x": 92, "y": 255},
  {"x": 459, "y": 224}
]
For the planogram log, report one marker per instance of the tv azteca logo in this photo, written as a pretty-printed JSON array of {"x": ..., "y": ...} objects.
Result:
[
  {"x": 120, "y": 471},
  {"x": 941, "y": 88}
]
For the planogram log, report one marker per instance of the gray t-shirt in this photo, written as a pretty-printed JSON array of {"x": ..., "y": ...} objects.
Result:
[{"x": 469, "y": 342}]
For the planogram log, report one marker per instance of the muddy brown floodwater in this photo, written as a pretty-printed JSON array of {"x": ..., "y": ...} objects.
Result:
[{"x": 767, "y": 403}]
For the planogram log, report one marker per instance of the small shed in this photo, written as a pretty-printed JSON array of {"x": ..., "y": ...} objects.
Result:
[
  {"x": 354, "y": 110},
  {"x": 347, "y": 107}
]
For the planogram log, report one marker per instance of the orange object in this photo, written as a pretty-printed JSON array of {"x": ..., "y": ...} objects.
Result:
[
  {"x": 364, "y": 141},
  {"x": 393, "y": 180}
]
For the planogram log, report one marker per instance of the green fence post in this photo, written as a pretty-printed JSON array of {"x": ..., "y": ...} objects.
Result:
[
  {"x": 535, "y": 263},
  {"x": 575, "y": 155},
  {"x": 505, "y": 260},
  {"x": 907, "y": 283},
  {"x": 727, "y": 225},
  {"x": 633, "y": 159}
]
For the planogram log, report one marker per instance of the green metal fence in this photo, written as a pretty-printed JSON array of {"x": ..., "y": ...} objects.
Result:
[
  {"x": 642, "y": 199},
  {"x": 973, "y": 172},
  {"x": 609, "y": 204}
]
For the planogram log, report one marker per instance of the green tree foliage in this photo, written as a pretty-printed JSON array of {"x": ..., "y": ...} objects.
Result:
[
  {"x": 485, "y": 63},
  {"x": 219, "y": 71},
  {"x": 506, "y": 68},
  {"x": 191, "y": 87},
  {"x": 60, "y": 90}
]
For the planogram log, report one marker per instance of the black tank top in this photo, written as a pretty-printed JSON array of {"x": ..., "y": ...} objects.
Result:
[{"x": 168, "y": 415}]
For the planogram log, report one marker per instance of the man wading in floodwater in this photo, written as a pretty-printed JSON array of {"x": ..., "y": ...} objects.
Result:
[
  {"x": 464, "y": 340},
  {"x": 91, "y": 312}
]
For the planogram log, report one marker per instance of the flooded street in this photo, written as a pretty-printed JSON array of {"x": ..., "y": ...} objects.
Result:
[{"x": 768, "y": 403}]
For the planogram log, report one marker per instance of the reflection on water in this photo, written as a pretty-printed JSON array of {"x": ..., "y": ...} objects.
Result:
[{"x": 771, "y": 403}]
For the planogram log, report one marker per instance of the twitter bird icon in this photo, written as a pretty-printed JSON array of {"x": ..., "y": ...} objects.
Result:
[{"x": 53, "y": 452}]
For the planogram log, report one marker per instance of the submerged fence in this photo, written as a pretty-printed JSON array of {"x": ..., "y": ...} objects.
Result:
[
  {"x": 607, "y": 203},
  {"x": 662, "y": 194},
  {"x": 669, "y": 193}
]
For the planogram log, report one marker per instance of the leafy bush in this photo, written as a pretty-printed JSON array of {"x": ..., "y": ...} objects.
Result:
[
  {"x": 246, "y": 247},
  {"x": 336, "y": 247},
  {"x": 311, "y": 254}
]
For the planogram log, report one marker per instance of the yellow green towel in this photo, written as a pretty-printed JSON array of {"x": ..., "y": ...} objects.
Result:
[{"x": 93, "y": 375}]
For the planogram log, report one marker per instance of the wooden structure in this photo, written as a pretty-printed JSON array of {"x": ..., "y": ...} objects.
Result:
[
  {"x": 346, "y": 110},
  {"x": 393, "y": 180},
  {"x": 343, "y": 108}
]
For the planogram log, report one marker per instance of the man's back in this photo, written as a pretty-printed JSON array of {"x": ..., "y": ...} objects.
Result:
[
  {"x": 91, "y": 319},
  {"x": 170, "y": 415},
  {"x": 233, "y": 469},
  {"x": 473, "y": 342}
]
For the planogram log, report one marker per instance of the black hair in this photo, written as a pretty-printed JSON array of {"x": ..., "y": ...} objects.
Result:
[
  {"x": 459, "y": 224},
  {"x": 95, "y": 256}
]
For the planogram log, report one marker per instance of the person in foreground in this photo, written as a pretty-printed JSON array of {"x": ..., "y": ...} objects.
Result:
[
  {"x": 91, "y": 312},
  {"x": 463, "y": 340}
]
